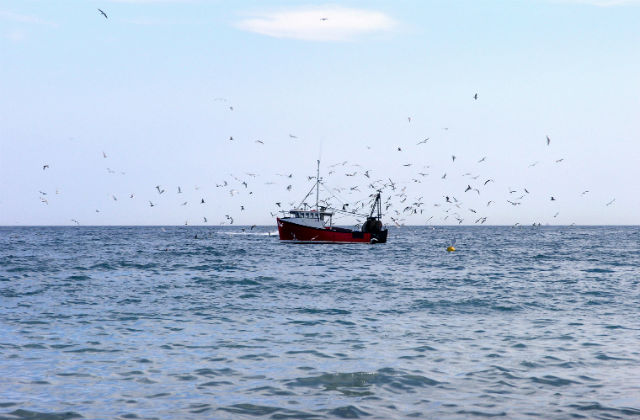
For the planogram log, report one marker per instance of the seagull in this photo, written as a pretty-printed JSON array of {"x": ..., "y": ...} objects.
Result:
[
  {"x": 553, "y": 198},
  {"x": 409, "y": 118},
  {"x": 259, "y": 141},
  {"x": 202, "y": 201},
  {"x": 205, "y": 219},
  {"x": 103, "y": 13},
  {"x": 482, "y": 160},
  {"x": 488, "y": 181},
  {"x": 443, "y": 176},
  {"x": 475, "y": 96},
  {"x": 423, "y": 141},
  {"x": 559, "y": 160},
  {"x": 230, "y": 138},
  {"x": 453, "y": 158},
  {"x": 611, "y": 202},
  {"x": 278, "y": 204},
  {"x": 75, "y": 221},
  {"x": 367, "y": 174},
  {"x": 179, "y": 190},
  {"x": 399, "y": 149},
  {"x": 468, "y": 188},
  {"x": 548, "y": 140},
  {"x": 292, "y": 136},
  {"x": 324, "y": 18},
  {"x": 584, "y": 192},
  {"x": 114, "y": 198},
  {"x": 44, "y": 167},
  {"x": 533, "y": 164},
  {"x": 556, "y": 215},
  {"x": 184, "y": 204},
  {"x": 288, "y": 187},
  {"x": 151, "y": 204},
  {"x": 104, "y": 155}
]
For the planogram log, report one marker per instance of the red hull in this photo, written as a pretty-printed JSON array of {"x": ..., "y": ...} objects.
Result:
[{"x": 298, "y": 233}]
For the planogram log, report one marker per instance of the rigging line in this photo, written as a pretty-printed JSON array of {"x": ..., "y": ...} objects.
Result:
[
  {"x": 305, "y": 197},
  {"x": 328, "y": 189}
]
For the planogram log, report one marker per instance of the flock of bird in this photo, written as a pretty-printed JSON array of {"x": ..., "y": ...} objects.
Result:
[{"x": 352, "y": 202}]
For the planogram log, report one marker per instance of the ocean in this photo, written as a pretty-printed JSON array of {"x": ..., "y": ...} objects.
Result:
[{"x": 156, "y": 323}]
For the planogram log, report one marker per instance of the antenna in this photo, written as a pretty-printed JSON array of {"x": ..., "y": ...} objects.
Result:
[{"x": 318, "y": 188}]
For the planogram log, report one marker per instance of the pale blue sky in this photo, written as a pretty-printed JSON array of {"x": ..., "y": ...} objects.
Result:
[{"x": 142, "y": 87}]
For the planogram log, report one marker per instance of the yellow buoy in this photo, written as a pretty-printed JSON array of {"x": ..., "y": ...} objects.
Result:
[{"x": 450, "y": 248}]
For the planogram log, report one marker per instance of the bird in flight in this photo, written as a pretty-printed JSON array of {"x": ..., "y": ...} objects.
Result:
[
  {"x": 548, "y": 140},
  {"x": 44, "y": 167},
  {"x": 324, "y": 19},
  {"x": 475, "y": 96},
  {"x": 423, "y": 141},
  {"x": 292, "y": 136},
  {"x": 487, "y": 181},
  {"x": 468, "y": 188},
  {"x": 103, "y": 13},
  {"x": 482, "y": 160},
  {"x": 611, "y": 202}
]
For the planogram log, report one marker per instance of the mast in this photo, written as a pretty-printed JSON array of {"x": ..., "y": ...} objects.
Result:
[
  {"x": 376, "y": 206},
  {"x": 318, "y": 189}
]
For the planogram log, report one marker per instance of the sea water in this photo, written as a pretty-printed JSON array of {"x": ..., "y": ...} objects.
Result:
[{"x": 221, "y": 323}]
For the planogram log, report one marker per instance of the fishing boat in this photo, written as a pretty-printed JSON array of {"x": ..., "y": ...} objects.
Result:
[{"x": 315, "y": 225}]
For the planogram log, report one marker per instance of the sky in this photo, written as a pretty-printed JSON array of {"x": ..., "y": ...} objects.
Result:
[{"x": 206, "y": 95}]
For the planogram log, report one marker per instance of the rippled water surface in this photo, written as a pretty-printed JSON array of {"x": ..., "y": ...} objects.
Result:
[{"x": 150, "y": 322}]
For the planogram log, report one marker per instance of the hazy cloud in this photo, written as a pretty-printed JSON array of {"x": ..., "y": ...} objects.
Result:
[
  {"x": 318, "y": 23},
  {"x": 602, "y": 3},
  {"x": 17, "y": 17},
  {"x": 16, "y": 35}
]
